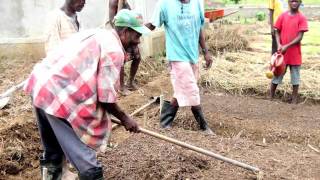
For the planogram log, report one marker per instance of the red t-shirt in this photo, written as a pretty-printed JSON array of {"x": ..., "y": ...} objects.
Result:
[{"x": 289, "y": 27}]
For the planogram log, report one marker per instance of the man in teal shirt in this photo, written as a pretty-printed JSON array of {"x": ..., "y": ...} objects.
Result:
[{"x": 183, "y": 21}]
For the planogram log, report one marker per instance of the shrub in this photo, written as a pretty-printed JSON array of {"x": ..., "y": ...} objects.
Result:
[{"x": 261, "y": 16}]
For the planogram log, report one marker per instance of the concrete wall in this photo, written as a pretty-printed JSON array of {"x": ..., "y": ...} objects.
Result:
[
  {"x": 27, "y": 18},
  {"x": 23, "y": 22}
]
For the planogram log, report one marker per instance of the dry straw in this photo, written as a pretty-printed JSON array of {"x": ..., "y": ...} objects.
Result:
[
  {"x": 243, "y": 72},
  {"x": 224, "y": 38}
]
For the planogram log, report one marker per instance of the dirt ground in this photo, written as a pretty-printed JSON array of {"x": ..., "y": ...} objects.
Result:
[{"x": 279, "y": 138}]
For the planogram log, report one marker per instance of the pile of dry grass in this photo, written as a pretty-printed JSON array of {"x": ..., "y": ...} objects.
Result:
[
  {"x": 244, "y": 73},
  {"x": 221, "y": 38}
]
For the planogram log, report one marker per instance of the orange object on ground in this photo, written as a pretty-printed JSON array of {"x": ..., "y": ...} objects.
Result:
[{"x": 214, "y": 14}]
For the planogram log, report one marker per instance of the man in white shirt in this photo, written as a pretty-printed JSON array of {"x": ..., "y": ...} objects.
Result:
[{"x": 62, "y": 23}]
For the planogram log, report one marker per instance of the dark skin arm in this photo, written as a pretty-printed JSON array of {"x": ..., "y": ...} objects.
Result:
[
  {"x": 204, "y": 48},
  {"x": 129, "y": 124},
  {"x": 113, "y": 8},
  {"x": 283, "y": 48}
]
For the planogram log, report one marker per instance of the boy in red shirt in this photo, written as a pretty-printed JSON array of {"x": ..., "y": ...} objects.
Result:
[{"x": 289, "y": 28}]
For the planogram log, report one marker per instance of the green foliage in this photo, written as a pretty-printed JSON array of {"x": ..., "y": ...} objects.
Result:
[
  {"x": 261, "y": 16},
  {"x": 235, "y": 1},
  {"x": 231, "y": 1}
]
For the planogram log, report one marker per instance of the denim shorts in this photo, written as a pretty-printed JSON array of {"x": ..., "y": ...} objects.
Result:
[{"x": 294, "y": 74}]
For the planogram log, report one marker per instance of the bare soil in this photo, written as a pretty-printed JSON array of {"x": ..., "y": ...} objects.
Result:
[{"x": 272, "y": 135}]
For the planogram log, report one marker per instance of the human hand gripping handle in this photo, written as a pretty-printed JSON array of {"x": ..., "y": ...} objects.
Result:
[
  {"x": 129, "y": 124},
  {"x": 282, "y": 48}
]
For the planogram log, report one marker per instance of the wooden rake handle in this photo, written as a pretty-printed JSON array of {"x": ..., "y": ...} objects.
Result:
[
  {"x": 12, "y": 90},
  {"x": 194, "y": 148},
  {"x": 155, "y": 99}
]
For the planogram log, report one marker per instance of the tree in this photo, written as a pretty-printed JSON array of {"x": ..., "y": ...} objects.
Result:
[{"x": 235, "y": 1}]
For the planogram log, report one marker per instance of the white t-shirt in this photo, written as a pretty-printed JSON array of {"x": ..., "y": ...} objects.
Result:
[{"x": 59, "y": 27}]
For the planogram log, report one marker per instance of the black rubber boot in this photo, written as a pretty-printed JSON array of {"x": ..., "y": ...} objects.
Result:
[
  {"x": 167, "y": 115},
  {"x": 92, "y": 174},
  {"x": 198, "y": 115},
  {"x": 51, "y": 169}
]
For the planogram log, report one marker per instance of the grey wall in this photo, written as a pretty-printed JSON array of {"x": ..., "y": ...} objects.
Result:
[{"x": 27, "y": 18}]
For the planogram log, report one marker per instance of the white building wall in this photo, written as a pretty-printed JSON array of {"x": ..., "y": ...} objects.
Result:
[{"x": 26, "y": 19}]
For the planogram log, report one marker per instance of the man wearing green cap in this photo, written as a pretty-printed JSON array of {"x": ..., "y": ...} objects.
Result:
[{"x": 73, "y": 92}]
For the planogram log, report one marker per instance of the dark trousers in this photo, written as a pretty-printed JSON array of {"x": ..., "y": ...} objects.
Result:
[{"x": 59, "y": 140}]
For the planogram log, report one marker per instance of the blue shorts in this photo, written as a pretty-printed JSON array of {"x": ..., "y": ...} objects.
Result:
[{"x": 294, "y": 74}]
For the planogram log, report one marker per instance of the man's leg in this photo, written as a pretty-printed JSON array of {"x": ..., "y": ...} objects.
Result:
[
  {"x": 168, "y": 112},
  {"x": 273, "y": 88},
  {"x": 81, "y": 156},
  {"x": 295, "y": 81},
  {"x": 198, "y": 115},
  {"x": 134, "y": 68},
  {"x": 274, "y": 84},
  {"x": 295, "y": 91},
  {"x": 123, "y": 89},
  {"x": 51, "y": 159}
]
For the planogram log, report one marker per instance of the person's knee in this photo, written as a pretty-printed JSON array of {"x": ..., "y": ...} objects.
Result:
[{"x": 136, "y": 54}]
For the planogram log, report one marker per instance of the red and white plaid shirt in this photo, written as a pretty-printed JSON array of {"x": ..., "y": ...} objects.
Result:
[{"x": 71, "y": 82}]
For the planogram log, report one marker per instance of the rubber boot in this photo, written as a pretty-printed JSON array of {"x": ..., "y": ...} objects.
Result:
[
  {"x": 50, "y": 169},
  {"x": 92, "y": 174},
  {"x": 167, "y": 115},
  {"x": 198, "y": 115}
]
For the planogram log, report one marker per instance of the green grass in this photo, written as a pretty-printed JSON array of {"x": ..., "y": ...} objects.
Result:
[
  {"x": 311, "y": 39},
  {"x": 313, "y": 35}
]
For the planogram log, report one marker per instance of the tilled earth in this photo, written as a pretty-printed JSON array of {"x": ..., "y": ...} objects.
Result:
[
  {"x": 271, "y": 135},
  {"x": 281, "y": 139}
]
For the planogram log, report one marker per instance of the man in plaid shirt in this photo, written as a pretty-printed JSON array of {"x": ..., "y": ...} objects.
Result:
[{"x": 73, "y": 91}]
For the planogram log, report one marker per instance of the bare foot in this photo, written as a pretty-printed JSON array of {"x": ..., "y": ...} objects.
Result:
[
  {"x": 132, "y": 86},
  {"x": 124, "y": 91},
  {"x": 294, "y": 101}
]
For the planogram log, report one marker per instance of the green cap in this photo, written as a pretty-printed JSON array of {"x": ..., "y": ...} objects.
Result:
[{"x": 131, "y": 19}]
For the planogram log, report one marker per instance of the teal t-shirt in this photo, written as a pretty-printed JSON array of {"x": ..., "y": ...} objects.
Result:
[{"x": 182, "y": 24}]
